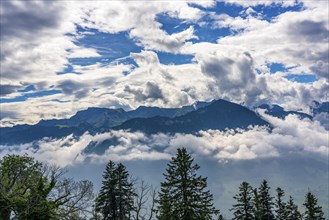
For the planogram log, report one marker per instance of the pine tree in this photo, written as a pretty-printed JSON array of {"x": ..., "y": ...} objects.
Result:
[
  {"x": 166, "y": 204},
  {"x": 243, "y": 210},
  {"x": 292, "y": 210},
  {"x": 106, "y": 200},
  {"x": 256, "y": 205},
  {"x": 265, "y": 200},
  {"x": 280, "y": 206},
  {"x": 183, "y": 194},
  {"x": 115, "y": 199},
  {"x": 125, "y": 193},
  {"x": 312, "y": 210}
]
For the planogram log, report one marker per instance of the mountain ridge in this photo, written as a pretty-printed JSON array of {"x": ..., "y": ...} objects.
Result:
[
  {"x": 93, "y": 119},
  {"x": 148, "y": 119},
  {"x": 279, "y": 112},
  {"x": 219, "y": 115}
]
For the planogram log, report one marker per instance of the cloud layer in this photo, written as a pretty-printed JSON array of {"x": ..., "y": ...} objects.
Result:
[{"x": 290, "y": 137}]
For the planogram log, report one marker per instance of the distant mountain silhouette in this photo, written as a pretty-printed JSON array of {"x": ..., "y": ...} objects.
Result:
[
  {"x": 93, "y": 120},
  {"x": 279, "y": 112},
  {"x": 95, "y": 117},
  {"x": 219, "y": 115}
]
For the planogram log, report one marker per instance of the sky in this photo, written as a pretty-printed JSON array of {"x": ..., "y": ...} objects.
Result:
[{"x": 59, "y": 57}]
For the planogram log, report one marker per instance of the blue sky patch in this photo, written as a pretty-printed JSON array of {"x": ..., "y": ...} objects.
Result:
[
  {"x": 301, "y": 78},
  {"x": 24, "y": 97},
  {"x": 27, "y": 89},
  {"x": 109, "y": 46},
  {"x": 85, "y": 62},
  {"x": 272, "y": 11},
  {"x": 210, "y": 34},
  {"x": 171, "y": 25},
  {"x": 227, "y": 8},
  {"x": 205, "y": 32},
  {"x": 277, "y": 67}
]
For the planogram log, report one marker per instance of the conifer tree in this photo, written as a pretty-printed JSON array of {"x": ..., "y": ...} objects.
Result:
[
  {"x": 106, "y": 200},
  {"x": 125, "y": 193},
  {"x": 280, "y": 206},
  {"x": 312, "y": 210},
  {"x": 115, "y": 199},
  {"x": 165, "y": 204},
  {"x": 292, "y": 210},
  {"x": 243, "y": 210},
  {"x": 256, "y": 205},
  {"x": 265, "y": 201},
  {"x": 183, "y": 194}
]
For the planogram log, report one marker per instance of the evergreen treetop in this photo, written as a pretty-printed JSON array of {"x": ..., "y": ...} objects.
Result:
[
  {"x": 243, "y": 209},
  {"x": 280, "y": 206},
  {"x": 265, "y": 200},
  {"x": 292, "y": 210},
  {"x": 312, "y": 210},
  {"x": 183, "y": 194},
  {"x": 116, "y": 197}
]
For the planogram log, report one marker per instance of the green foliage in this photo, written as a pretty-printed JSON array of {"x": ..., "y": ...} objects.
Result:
[
  {"x": 183, "y": 194},
  {"x": 265, "y": 202},
  {"x": 21, "y": 187},
  {"x": 256, "y": 205},
  {"x": 243, "y": 209},
  {"x": 116, "y": 197},
  {"x": 32, "y": 190},
  {"x": 292, "y": 210},
  {"x": 312, "y": 210},
  {"x": 280, "y": 206}
]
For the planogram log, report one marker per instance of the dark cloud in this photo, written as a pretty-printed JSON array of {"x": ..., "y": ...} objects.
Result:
[
  {"x": 25, "y": 26},
  {"x": 14, "y": 72},
  {"x": 70, "y": 87},
  {"x": 313, "y": 32},
  {"x": 151, "y": 92},
  {"x": 309, "y": 30},
  {"x": 321, "y": 63},
  {"x": 217, "y": 68},
  {"x": 228, "y": 71},
  {"x": 319, "y": 60},
  {"x": 234, "y": 77},
  {"x": 8, "y": 89},
  {"x": 305, "y": 95},
  {"x": 27, "y": 18},
  {"x": 323, "y": 118}
]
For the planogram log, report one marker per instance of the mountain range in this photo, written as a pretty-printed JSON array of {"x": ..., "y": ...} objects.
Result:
[
  {"x": 218, "y": 114},
  {"x": 279, "y": 112}
]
